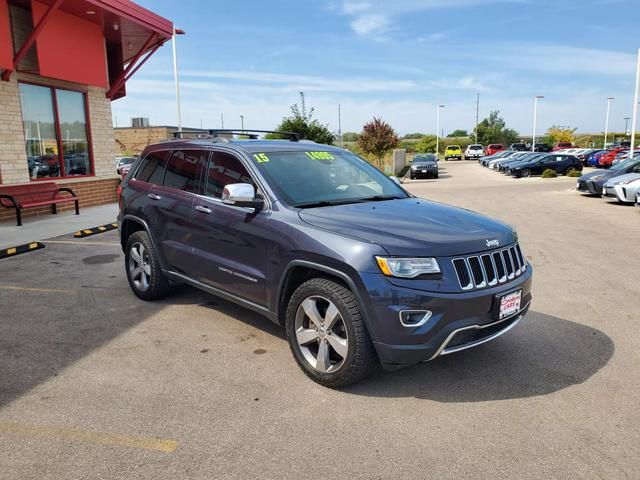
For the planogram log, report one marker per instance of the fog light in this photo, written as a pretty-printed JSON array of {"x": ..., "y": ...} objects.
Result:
[{"x": 414, "y": 318}]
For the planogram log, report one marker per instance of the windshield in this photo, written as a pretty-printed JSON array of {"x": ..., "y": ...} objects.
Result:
[
  {"x": 317, "y": 178},
  {"x": 630, "y": 162},
  {"x": 453, "y": 147},
  {"x": 475, "y": 147},
  {"x": 424, "y": 159}
]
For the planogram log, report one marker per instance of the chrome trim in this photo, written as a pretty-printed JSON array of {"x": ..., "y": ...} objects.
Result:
[
  {"x": 442, "y": 349},
  {"x": 424, "y": 320},
  {"x": 469, "y": 286}
]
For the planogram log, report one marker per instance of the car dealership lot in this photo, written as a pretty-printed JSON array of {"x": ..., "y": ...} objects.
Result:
[{"x": 97, "y": 384}]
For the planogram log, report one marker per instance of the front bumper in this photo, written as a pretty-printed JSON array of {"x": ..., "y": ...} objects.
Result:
[
  {"x": 588, "y": 186},
  {"x": 459, "y": 320}
]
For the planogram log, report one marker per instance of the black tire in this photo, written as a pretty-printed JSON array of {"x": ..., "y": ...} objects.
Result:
[
  {"x": 435, "y": 176},
  {"x": 525, "y": 173},
  {"x": 412, "y": 177},
  {"x": 360, "y": 359},
  {"x": 157, "y": 285}
]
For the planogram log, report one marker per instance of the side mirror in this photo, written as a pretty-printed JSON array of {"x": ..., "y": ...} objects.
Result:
[{"x": 241, "y": 195}]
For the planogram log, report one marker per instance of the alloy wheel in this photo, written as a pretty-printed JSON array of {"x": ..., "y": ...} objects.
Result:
[
  {"x": 321, "y": 334},
  {"x": 139, "y": 266}
]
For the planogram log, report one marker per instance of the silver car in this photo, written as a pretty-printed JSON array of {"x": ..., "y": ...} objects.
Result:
[{"x": 624, "y": 188}]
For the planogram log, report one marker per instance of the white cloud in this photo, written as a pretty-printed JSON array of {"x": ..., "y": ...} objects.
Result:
[
  {"x": 351, "y": 8},
  {"x": 368, "y": 24}
]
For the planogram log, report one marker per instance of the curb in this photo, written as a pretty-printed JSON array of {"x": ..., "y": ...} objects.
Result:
[
  {"x": 13, "y": 251},
  {"x": 95, "y": 230}
]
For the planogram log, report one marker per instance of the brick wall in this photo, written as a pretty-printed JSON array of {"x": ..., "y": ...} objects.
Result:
[
  {"x": 101, "y": 131},
  {"x": 13, "y": 158},
  {"x": 133, "y": 140},
  {"x": 91, "y": 193}
]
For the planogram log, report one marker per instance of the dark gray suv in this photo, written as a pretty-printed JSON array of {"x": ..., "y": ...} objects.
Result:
[{"x": 356, "y": 269}]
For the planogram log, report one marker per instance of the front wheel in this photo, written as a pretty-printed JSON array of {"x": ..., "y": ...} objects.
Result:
[
  {"x": 143, "y": 268},
  {"x": 525, "y": 173},
  {"x": 327, "y": 334}
]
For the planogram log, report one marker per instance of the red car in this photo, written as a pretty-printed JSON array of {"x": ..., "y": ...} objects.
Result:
[
  {"x": 607, "y": 159},
  {"x": 494, "y": 148},
  {"x": 562, "y": 146}
]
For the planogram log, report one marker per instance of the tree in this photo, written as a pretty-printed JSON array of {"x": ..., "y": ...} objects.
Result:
[
  {"x": 350, "y": 136},
  {"x": 493, "y": 130},
  {"x": 413, "y": 136},
  {"x": 377, "y": 138},
  {"x": 458, "y": 133},
  {"x": 301, "y": 121},
  {"x": 427, "y": 144},
  {"x": 557, "y": 134}
]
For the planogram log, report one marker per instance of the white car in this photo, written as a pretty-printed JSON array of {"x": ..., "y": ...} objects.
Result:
[
  {"x": 624, "y": 188},
  {"x": 474, "y": 152}
]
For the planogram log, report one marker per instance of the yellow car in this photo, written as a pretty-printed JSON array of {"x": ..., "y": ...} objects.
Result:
[{"x": 453, "y": 151}]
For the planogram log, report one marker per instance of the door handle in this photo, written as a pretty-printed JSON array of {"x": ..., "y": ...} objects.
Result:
[
  {"x": 153, "y": 196},
  {"x": 202, "y": 209}
]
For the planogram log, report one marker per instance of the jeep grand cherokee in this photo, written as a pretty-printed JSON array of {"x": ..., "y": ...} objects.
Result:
[{"x": 357, "y": 270}]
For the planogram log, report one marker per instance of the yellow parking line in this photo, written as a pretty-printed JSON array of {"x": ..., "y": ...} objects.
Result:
[
  {"x": 30, "y": 289},
  {"x": 158, "y": 444}
]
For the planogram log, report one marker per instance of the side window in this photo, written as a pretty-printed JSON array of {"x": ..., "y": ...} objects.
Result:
[
  {"x": 152, "y": 168},
  {"x": 223, "y": 170},
  {"x": 183, "y": 170}
]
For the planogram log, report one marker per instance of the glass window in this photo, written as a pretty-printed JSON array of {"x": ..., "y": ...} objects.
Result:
[
  {"x": 152, "y": 168},
  {"x": 73, "y": 129},
  {"x": 55, "y": 131},
  {"x": 223, "y": 170},
  {"x": 183, "y": 169},
  {"x": 318, "y": 178},
  {"x": 39, "y": 126}
]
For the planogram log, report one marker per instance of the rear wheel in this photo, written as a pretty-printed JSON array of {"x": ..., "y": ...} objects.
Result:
[
  {"x": 327, "y": 335},
  {"x": 143, "y": 268}
]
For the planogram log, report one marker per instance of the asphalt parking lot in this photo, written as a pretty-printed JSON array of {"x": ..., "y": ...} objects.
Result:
[{"x": 95, "y": 383}]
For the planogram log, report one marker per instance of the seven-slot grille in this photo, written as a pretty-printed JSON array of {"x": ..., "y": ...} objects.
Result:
[{"x": 490, "y": 269}]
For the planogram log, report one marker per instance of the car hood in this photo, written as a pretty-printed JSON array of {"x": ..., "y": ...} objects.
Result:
[
  {"x": 595, "y": 173},
  {"x": 413, "y": 227},
  {"x": 622, "y": 178}
]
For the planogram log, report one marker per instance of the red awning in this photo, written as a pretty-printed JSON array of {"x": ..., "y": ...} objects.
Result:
[{"x": 71, "y": 36}]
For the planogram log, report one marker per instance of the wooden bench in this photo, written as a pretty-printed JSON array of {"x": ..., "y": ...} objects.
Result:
[{"x": 35, "y": 194}]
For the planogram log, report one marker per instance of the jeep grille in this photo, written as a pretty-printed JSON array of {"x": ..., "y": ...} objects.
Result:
[{"x": 490, "y": 269}]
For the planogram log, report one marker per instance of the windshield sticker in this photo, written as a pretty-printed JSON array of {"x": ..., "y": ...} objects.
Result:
[
  {"x": 320, "y": 155},
  {"x": 261, "y": 157}
]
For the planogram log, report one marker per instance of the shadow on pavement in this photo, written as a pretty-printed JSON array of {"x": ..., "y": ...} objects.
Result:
[{"x": 542, "y": 355}]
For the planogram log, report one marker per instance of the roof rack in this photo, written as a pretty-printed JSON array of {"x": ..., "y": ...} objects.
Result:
[{"x": 251, "y": 134}]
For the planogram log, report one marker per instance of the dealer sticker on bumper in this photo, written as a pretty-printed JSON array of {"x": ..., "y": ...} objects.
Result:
[{"x": 510, "y": 304}]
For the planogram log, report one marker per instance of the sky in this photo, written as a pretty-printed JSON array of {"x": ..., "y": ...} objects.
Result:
[{"x": 394, "y": 59}]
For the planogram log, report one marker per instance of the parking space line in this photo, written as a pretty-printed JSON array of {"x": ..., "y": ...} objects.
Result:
[
  {"x": 71, "y": 242},
  {"x": 33, "y": 289},
  {"x": 145, "y": 443}
]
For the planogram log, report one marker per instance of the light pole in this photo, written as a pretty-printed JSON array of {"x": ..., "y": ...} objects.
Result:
[
  {"x": 242, "y": 121},
  {"x": 535, "y": 121},
  {"x": 626, "y": 126},
  {"x": 177, "y": 31},
  {"x": 606, "y": 124},
  {"x": 634, "y": 119},
  {"x": 438, "y": 129}
]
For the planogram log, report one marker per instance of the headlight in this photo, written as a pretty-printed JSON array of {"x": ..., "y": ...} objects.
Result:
[
  {"x": 413, "y": 167},
  {"x": 596, "y": 177},
  {"x": 627, "y": 182},
  {"x": 407, "y": 267}
]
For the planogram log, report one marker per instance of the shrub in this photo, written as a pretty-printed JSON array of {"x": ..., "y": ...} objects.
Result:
[
  {"x": 574, "y": 173},
  {"x": 548, "y": 173}
]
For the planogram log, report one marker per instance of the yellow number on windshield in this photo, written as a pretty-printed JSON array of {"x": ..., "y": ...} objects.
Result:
[
  {"x": 261, "y": 157},
  {"x": 320, "y": 155}
]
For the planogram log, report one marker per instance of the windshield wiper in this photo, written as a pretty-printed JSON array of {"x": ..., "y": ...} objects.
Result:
[
  {"x": 379, "y": 198},
  {"x": 326, "y": 203}
]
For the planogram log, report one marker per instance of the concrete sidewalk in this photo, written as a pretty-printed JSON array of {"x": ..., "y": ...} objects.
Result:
[{"x": 43, "y": 227}]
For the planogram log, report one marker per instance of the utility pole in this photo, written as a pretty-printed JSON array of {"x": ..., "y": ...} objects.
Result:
[
  {"x": 606, "y": 124},
  {"x": 535, "y": 121},
  {"x": 634, "y": 119},
  {"x": 438, "y": 129},
  {"x": 626, "y": 126},
  {"x": 222, "y": 120},
  {"x": 477, "y": 114},
  {"x": 340, "y": 125},
  {"x": 242, "y": 121}
]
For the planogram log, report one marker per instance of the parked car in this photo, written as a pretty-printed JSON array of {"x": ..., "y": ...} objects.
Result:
[
  {"x": 354, "y": 268},
  {"x": 591, "y": 183},
  {"x": 516, "y": 159},
  {"x": 606, "y": 160},
  {"x": 494, "y": 164},
  {"x": 424, "y": 166},
  {"x": 484, "y": 161},
  {"x": 123, "y": 162},
  {"x": 474, "y": 152},
  {"x": 519, "y": 147},
  {"x": 494, "y": 148},
  {"x": 561, "y": 163},
  {"x": 623, "y": 188},
  {"x": 543, "y": 148},
  {"x": 593, "y": 160},
  {"x": 454, "y": 152},
  {"x": 562, "y": 146}
]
